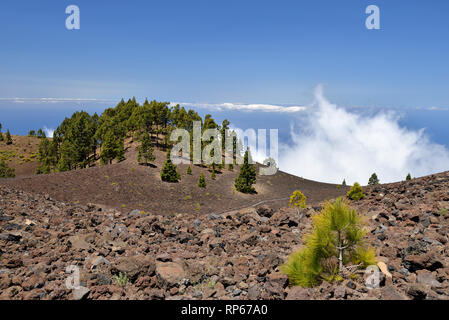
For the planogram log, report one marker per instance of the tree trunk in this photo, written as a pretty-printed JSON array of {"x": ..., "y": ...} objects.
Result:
[
  {"x": 340, "y": 260},
  {"x": 340, "y": 254}
]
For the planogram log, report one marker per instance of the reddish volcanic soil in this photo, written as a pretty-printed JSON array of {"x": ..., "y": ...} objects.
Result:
[
  {"x": 21, "y": 155},
  {"x": 128, "y": 185}
]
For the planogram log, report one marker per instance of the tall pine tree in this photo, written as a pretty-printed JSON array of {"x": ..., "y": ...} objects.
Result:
[
  {"x": 113, "y": 148},
  {"x": 40, "y": 134},
  {"x": 66, "y": 160},
  {"x": 247, "y": 176},
  {"x": 120, "y": 151},
  {"x": 373, "y": 180},
  {"x": 202, "y": 181},
  {"x": 8, "y": 137},
  {"x": 145, "y": 154},
  {"x": 169, "y": 171},
  {"x": 46, "y": 156}
]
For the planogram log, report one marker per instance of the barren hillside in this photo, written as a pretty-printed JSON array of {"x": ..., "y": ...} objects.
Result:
[
  {"x": 21, "y": 155},
  {"x": 127, "y": 185}
]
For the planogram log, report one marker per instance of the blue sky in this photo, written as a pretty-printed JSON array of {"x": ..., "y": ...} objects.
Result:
[{"x": 228, "y": 51}]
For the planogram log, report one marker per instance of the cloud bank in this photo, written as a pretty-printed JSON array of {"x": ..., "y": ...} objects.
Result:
[
  {"x": 245, "y": 107},
  {"x": 331, "y": 144},
  {"x": 54, "y": 100},
  {"x": 49, "y": 132}
]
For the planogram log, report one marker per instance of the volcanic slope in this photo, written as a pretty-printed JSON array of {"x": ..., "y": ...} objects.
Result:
[
  {"x": 128, "y": 186},
  {"x": 21, "y": 154},
  {"x": 231, "y": 256}
]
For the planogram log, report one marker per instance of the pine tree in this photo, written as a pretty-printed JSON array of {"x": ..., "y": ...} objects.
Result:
[
  {"x": 62, "y": 165},
  {"x": 344, "y": 183},
  {"x": 1, "y": 134},
  {"x": 41, "y": 134},
  {"x": 338, "y": 238},
  {"x": 356, "y": 192},
  {"x": 66, "y": 160},
  {"x": 113, "y": 148},
  {"x": 247, "y": 176},
  {"x": 224, "y": 126},
  {"x": 6, "y": 171},
  {"x": 145, "y": 150},
  {"x": 202, "y": 181},
  {"x": 120, "y": 151},
  {"x": 46, "y": 156},
  {"x": 409, "y": 177},
  {"x": 80, "y": 132},
  {"x": 31, "y": 133},
  {"x": 108, "y": 150},
  {"x": 8, "y": 137},
  {"x": 373, "y": 180},
  {"x": 297, "y": 201},
  {"x": 189, "y": 170},
  {"x": 169, "y": 171}
]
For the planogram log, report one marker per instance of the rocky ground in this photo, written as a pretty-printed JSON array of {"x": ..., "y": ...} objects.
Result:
[{"x": 215, "y": 256}]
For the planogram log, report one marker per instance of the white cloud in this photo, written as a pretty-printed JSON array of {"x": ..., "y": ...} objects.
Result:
[
  {"x": 438, "y": 109},
  {"x": 333, "y": 144},
  {"x": 212, "y": 106},
  {"x": 52, "y": 100},
  {"x": 245, "y": 107},
  {"x": 49, "y": 132}
]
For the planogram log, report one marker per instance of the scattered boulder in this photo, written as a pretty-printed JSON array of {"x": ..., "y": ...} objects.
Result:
[
  {"x": 276, "y": 284},
  {"x": 77, "y": 242},
  {"x": 133, "y": 267},
  {"x": 250, "y": 239},
  {"x": 417, "y": 291},
  {"x": 197, "y": 223},
  {"x": 430, "y": 261},
  {"x": 13, "y": 237},
  {"x": 389, "y": 293},
  {"x": 383, "y": 267},
  {"x": 254, "y": 292},
  {"x": 80, "y": 293},
  {"x": 265, "y": 211},
  {"x": 214, "y": 216},
  {"x": 169, "y": 274},
  {"x": 340, "y": 292},
  {"x": 298, "y": 293},
  {"x": 427, "y": 278}
]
